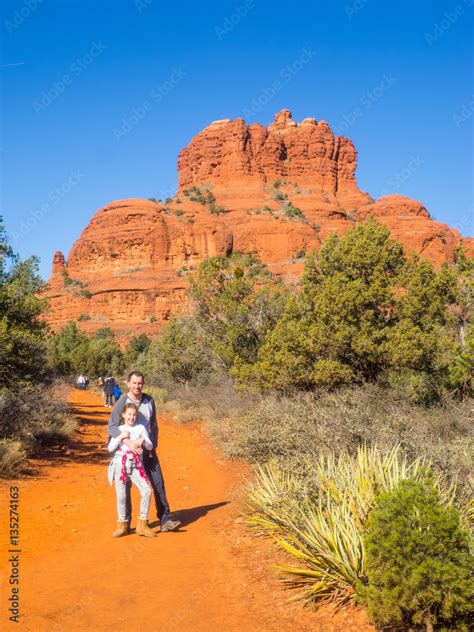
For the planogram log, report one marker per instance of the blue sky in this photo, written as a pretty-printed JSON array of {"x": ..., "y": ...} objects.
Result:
[{"x": 99, "y": 97}]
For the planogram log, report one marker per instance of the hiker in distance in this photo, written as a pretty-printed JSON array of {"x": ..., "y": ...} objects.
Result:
[
  {"x": 109, "y": 385},
  {"x": 146, "y": 416},
  {"x": 82, "y": 382}
]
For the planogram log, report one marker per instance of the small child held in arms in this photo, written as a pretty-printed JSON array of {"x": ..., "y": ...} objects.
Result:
[{"x": 127, "y": 466}]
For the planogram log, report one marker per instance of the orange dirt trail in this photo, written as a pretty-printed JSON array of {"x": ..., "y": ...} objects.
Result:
[{"x": 210, "y": 576}]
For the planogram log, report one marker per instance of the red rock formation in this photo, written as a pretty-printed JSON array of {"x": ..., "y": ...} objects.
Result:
[
  {"x": 307, "y": 154},
  {"x": 275, "y": 191}
]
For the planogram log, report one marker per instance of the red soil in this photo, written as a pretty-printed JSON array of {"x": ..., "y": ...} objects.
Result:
[{"x": 212, "y": 575}]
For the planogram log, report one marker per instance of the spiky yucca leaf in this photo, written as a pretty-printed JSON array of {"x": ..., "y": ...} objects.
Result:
[{"x": 324, "y": 529}]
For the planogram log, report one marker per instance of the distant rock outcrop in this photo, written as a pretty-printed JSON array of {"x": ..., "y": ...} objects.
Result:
[{"x": 276, "y": 192}]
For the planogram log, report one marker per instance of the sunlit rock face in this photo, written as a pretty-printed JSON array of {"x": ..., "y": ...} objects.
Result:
[{"x": 276, "y": 192}]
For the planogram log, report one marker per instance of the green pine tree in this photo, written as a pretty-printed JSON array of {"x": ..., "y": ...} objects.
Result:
[{"x": 419, "y": 565}]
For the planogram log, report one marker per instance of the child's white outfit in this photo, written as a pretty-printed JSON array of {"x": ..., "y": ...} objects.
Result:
[{"x": 125, "y": 465}]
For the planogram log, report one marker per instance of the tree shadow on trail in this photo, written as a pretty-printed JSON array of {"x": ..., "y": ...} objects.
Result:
[
  {"x": 90, "y": 418},
  {"x": 188, "y": 516}
]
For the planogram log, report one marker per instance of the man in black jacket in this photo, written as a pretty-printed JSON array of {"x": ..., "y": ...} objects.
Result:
[
  {"x": 146, "y": 416},
  {"x": 108, "y": 387}
]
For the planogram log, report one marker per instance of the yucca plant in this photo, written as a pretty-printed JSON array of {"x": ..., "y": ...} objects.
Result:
[{"x": 323, "y": 527}]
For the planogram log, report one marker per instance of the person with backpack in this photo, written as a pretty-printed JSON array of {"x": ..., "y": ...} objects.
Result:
[
  {"x": 117, "y": 392},
  {"x": 109, "y": 384}
]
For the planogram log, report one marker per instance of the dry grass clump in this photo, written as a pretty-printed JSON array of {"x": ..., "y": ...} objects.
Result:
[
  {"x": 31, "y": 418},
  {"x": 258, "y": 427},
  {"x": 291, "y": 429},
  {"x": 12, "y": 458}
]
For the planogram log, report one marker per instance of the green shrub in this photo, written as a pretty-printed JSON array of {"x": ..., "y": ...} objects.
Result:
[
  {"x": 181, "y": 353},
  {"x": 364, "y": 311},
  {"x": 66, "y": 278},
  {"x": 22, "y": 331},
  {"x": 83, "y": 317},
  {"x": 280, "y": 196},
  {"x": 216, "y": 210},
  {"x": 322, "y": 524},
  {"x": 179, "y": 212},
  {"x": 137, "y": 346},
  {"x": 419, "y": 567},
  {"x": 211, "y": 200},
  {"x": 195, "y": 195},
  {"x": 158, "y": 394},
  {"x": 71, "y": 351},
  {"x": 461, "y": 370},
  {"x": 237, "y": 303},
  {"x": 292, "y": 211}
]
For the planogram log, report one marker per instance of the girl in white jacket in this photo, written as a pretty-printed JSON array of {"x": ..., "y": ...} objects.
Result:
[{"x": 126, "y": 466}]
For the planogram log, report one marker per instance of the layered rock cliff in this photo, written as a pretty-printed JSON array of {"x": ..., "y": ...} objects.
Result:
[{"x": 276, "y": 192}]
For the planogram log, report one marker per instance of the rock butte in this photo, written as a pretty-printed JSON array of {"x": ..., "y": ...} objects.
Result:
[{"x": 129, "y": 268}]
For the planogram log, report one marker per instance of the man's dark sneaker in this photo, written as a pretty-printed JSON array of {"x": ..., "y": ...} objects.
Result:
[{"x": 170, "y": 525}]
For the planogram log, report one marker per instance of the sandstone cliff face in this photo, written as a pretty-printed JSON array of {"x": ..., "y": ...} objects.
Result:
[
  {"x": 276, "y": 192},
  {"x": 308, "y": 154}
]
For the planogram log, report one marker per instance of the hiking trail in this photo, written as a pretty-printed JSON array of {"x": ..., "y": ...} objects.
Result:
[{"x": 211, "y": 575}]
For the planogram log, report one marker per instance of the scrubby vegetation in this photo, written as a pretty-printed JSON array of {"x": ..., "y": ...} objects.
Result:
[
  {"x": 351, "y": 393},
  {"x": 293, "y": 212},
  {"x": 30, "y": 416},
  {"x": 32, "y": 359},
  {"x": 338, "y": 390},
  {"x": 206, "y": 198},
  {"x": 322, "y": 523},
  {"x": 366, "y": 313},
  {"x": 71, "y": 351}
]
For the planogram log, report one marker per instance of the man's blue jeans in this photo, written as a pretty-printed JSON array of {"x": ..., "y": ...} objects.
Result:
[{"x": 152, "y": 468}]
